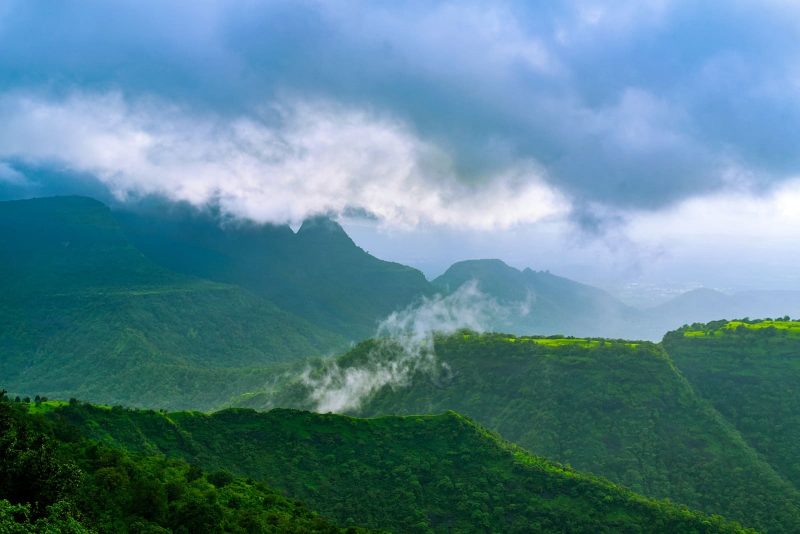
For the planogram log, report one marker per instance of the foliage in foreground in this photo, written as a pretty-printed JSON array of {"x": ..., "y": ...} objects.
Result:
[
  {"x": 408, "y": 474},
  {"x": 53, "y": 480}
]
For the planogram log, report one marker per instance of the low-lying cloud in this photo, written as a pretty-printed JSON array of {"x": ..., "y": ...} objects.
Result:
[
  {"x": 630, "y": 104},
  {"x": 404, "y": 347},
  {"x": 292, "y": 160},
  {"x": 541, "y": 116}
]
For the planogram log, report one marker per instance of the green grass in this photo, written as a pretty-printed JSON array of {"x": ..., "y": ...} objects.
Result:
[
  {"x": 790, "y": 326},
  {"x": 556, "y": 341},
  {"x": 44, "y": 407},
  {"x": 720, "y": 328}
]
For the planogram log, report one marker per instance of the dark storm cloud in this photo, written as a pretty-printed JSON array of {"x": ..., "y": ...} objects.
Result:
[{"x": 620, "y": 104}]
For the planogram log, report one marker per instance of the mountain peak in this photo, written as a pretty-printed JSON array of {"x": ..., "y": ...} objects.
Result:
[
  {"x": 480, "y": 267},
  {"x": 493, "y": 276},
  {"x": 320, "y": 224},
  {"x": 324, "y": 230}
]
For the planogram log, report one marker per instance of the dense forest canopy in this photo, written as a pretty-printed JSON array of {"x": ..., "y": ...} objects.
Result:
[
  {"x": 616, "y": 408},
  {"x": 438, "y": 473},
  {"x": 750, "y": 371}
]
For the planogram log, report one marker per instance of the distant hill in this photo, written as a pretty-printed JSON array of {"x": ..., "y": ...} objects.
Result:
[
  {"x": 750, "y": 371},
  {"x": 538, "y": 302},
  {"x": 615, "y": 408},
  {"x": 318, "y": 273},
  {"x": 704, "y": 305},
  {"x": 437, "y": 473},
  {"x": 84, "y": 313}
]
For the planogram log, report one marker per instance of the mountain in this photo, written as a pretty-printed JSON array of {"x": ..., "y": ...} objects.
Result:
[
  {"x": 750, "y": 371},
  {"x": 318, "y": 273},
  {"x": 54, "y": 480},
  {"x": 704, "y": 305},
  {"x": 618, "y": 409},
  {"x": 440, "y": 473},
  {"x": 537, "y": 302},
  {"x": 87, "y": 314},
  {"x": 540, "y": 303}
]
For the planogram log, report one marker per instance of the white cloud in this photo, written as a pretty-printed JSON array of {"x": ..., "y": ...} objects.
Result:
[
  {"x": 727, "y": 219},
  {"x": 733, "y": 239},
  {"x": 10, "y": 175},
  {"x": 293, "y": 160}
]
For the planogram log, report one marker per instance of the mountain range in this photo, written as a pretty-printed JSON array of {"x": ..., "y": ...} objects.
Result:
[
  {"x": 181, "y": 309},
  {"x": 184, "y": 310},
  {"x": 317, "y": 273}
]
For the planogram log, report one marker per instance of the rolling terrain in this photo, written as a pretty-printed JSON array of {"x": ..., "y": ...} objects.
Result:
[
  {"x": 436, "y": 473},
  {"x": 619, "y": 409},
  {"x": 86, "y": 314},
  {"x": 212, "y": 311},
  {"x": 54, "y": 480}
]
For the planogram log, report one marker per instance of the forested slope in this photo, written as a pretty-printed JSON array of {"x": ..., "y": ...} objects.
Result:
[
  {"x": 317, "y": 273},
  {"x": 615, "y": 408},
  {"x": 750, "y": 371},
  {"x": 52, "y": 480},
  {"x": 538, "y": 302},
  {"x": 84, "y": 313},
  {"x": 437, "y": 473}
]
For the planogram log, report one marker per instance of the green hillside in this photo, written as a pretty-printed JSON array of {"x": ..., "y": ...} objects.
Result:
[
  {"x": 408, "y": 474},
  {"x": 614, "y": 408},
  {"x": 750, "y": 371},
  {"x": 86, "y": 314},
  {"x": 52, "y": 480},
  {"x": 318, "y": 273},
  {"x": 538, "y": 302}
]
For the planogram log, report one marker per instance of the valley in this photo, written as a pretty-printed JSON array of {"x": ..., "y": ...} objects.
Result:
[{"x": 179, "y": 313}]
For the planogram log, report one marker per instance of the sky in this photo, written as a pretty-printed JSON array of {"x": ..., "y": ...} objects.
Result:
[{"x": 646, "y": 145}]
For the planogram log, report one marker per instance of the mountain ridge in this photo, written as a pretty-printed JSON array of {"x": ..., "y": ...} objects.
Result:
[
  {"x": 317, "y": 273},
  {"x": 83, "y": 307},
  {"x": 377, "y": 472},
  {"x": 617, "y": 408}
]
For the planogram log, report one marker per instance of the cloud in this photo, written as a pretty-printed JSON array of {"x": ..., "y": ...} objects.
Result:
[
  {"x": 404, "y": 347},
  {"x": 616, "y": 105},
  {"x": 293, "y": 160},
  {"x": 726, "y": 223},
  {"x": 9, "y": 175}
]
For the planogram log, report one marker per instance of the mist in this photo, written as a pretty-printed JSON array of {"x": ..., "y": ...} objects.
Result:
[{"x": 403, "y": 347}]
